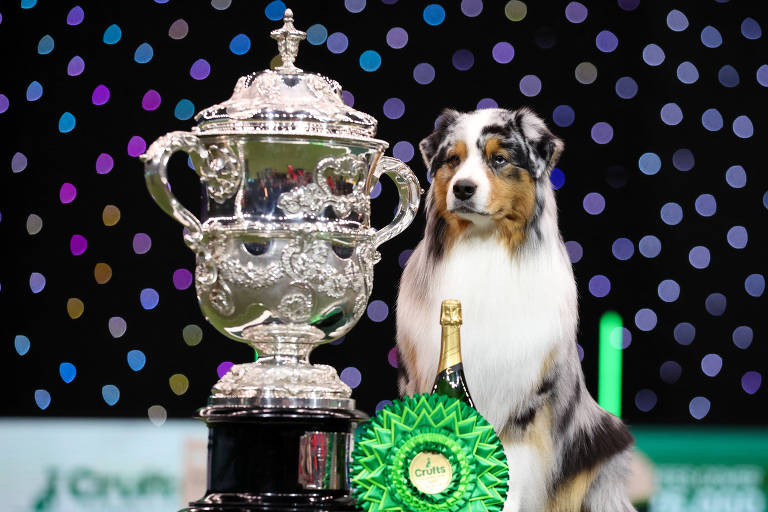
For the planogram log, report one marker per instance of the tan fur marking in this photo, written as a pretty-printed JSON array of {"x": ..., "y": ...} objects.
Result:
[
  {"x": 455, "y": 224},
  {"x": 493, "y": 145},
  {"x": 511, "y": 204},
  {"x": 570, "y": 496}
]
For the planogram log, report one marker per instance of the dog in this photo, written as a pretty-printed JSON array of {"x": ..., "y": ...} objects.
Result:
[{"x": 492, "y": 241}]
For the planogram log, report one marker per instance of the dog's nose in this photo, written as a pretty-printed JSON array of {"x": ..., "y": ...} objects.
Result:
[{"x": 464, "y": 189}]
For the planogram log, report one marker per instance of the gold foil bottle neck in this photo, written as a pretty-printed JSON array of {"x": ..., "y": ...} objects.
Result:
[{"x": 450, "y": 312}]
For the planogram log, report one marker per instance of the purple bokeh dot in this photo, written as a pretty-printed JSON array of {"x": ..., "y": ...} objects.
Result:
[
  {"x": 626, "y": 87},
  {"x": 394, "y": 108},
  {"x": 557, "y": 178},
  {"x": 699, "y": 257},
  {"x": 736, "y": 176},
  {"x": 149, "y": 298},
  {"x": 136, "y": 146},
  {"x": 683, "y": 160},
  {"x": 530, "y": 85},
  {"x": 645, "y": 400},
  {"x": 471, "y": 8},
  {"x": 671, "y": 214},
  {"x": 100, "y": 95},
  {"x": 742, "y": 336},
  {"x": 487, "y": 103},
  {"x": 737, "y": 237},
  {"x": 646, "y": 319},
  {"x": 576, "y": 12},
  {"x": 629, "y": 5},
  {"x": 754, "y": 285},
  {"x": 424, "y": 73},
  {"x": 677, "y": 21},
  {"x": 670, "y": 372},
  {"x": 200, "y": 69},
  {"x": 606, "y": 41},
  {"x": 671, "y": 114},
  {"x": 392, "y": 357},
  {"x": 684, "y": 333},
  {"x": 77, "y": 245},
  {"x": 580, "y": 351},
  {"x": 463, "y": 60},
  {"x": 599, "y": 286},
  {"x": 397, "y": 38},
  {"x": 602, "y": 132},
  {"x": 4, "y": 103},
  {"x": 348, "y": 98},
  {"x": 563, "y": 115},
  {"x": 67, "y": 193},
  {"x": 223, "y": 368},
  {"x": 699, "y": 407},
  {"x": 36, "y": 282},
  {"x": 668, "y": 290},
  {"x": 337, "y": 42},
  {"x": 574, "y": 250},
  {"x": 711, "y": 364},
  {"x": 503, "y": 52},
  {"x": 751, "y": 381},
  {"x": 19, "y": 162},
  {"x": 623, "y": 249},
  {"x": 351, "y": 376},
  {"x": 742, "y": 127},
  {"x": 653, "y": 55},
  {"x": 338, "y": 341},
  {"x": 594, "y": 203},
  {"x": 384, "y": 403},
  {"x": 403, "y": 257},
  {"x": 378, "y": 310},
  {"x": 715, "y": 304},
  {"x": 376, "y": 190},
  {"x": 649, "y": 246},
  {"x": 76, "y": 66},
  {"x": 182, "y": 278},
  {"x": 75, "y": 16},
  {"x": 403, "y": 150},
  {"x": 104, "y": 163},
  {"x": 142, "y": 243},
  {"x": 151, "y": 100}
]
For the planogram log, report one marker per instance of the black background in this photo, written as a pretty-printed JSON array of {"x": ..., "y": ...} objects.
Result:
[{"x": 633, "y": 199}]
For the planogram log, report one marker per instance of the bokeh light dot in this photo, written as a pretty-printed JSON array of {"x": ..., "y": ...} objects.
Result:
[
  {"x": 530, "y": 85},
  {"x": 585, "y": 73},
  {"x": 557, "y": 178},
  {"x": 376, "y": 190},
  {"x": 750, "y": 29},
  {"x": 671, "y": 114},
  {"x": 463, "y": 60},
  {"x": 240, "y": 44},
  {"x": 348, "y": 98},
  {"x": 503, "y": 52},
  {"x": 179, "y": 383},
  {"x": 100, "y": 95},
  {"x": 102, "y": 273},
  {"x": 677, "y": 21},
  {"x": 684, "y": 333},
  {"x": 151, "y": 100},
  {"x": 157, "y": 415},
  {"x": 594, "y": 203},
  {"x": 742, "y": 127},
  {"x": 699, "y": 407},
  {"x": 104, "y": 163},
  {"x": 602, "y": 132},
  {"x": 275, "y": 10},
  {"x": 645, "y": 400},
  {"x": 18, "y": 162},
  {"x": 711, "y": 364},
  {"x": 670, "y": 371},
  {"x": 668, "y": 290},
  {"x": 397, "y": 38},
  {"x": 736, "y": 176},
  {"x": 144, "y": 53},
  {"x": 28, "y": 4},
  {"x": 337, "y": 43},
  {"x": 424, "y": 73},
  {"x": 354, "y": 6},
  {"x": 149, "y": 298},
  {"x": 111, "y": 394},
  {"x": 649, "y": 246},
  {"x": 434, "y": 14},
  {"x": 76, "y": 66},
  {"x": 626, "y": 87},
  {"x": 316, "y": 34},
  {"x": 67, "y": 193},
  {"x": 576, "y": 12},
  {"x": 112, "y": 34},
  {"x": 728, "y": 76},
  {"x": 403, "y": 257},
  {"x": 382, "y": 404},
  {"x": 110, "y": 215},
  {"x": 646, "y": 319},
  {"x": 117, "y": 326},
  {"x": 623, "y": 249},
  {"x": 471, "y": 8},
  {"x": 563, "y": 115},
  {"x": 78, "y": 245},
  {"x": 751, "y": 381},
  {"x": 671, "y": 214},
  {"x": 699, "y": 257},
  {"x": 75, "y": 308},
  {"x": 754, "y": 285},
  {"x": 653, "y": 55},
  {"x": 606, "y": 41},
  {"x": 182, "y": 278},
  {"x": 178, "y": 29},
  {"x": 574, "y": 250},
  {"x": 706, "y": 205},
  {"x": 712, "y": 120},
  {"x": 710, "y": 37},
  {"x": 136, "y": 359},
  {"x": 142, "y": 243},
  {"x": 683, "y": 159},
  {"x": 200, "y": 69},
  {"x": 762, "y": 75},
  {"x": 403, "y": 150},
  {"x": 67, "y": 122},
  {"x": 742, "y": 336},
  {"x": 351, "y": 376},
  {"x": 34, "y": 224},
  {"x": 715, "y": 304},
  {"x": 42, "y": 398},
  {"x": 184, "y": 110},
  {"x": 221, "y": 5},
  {"x": 599, "y": 286},
  {"x": 378, "y": 311},
  {"x": 22, "y": 344},
  {"x": 649, "y": 163},
  {"x": 687, "y": 72},
  {"x": 394, "y": 108},
  {"x": 136, "y": 146},
  {"x": 192, "y": 334},
  {"x": 515, "y": 10},
  {"x": 487, "y": 103},
  {"x": 34, "y": 91},
  {"x": 737, "y": 237},
  {"x": 45, "y": 45}
]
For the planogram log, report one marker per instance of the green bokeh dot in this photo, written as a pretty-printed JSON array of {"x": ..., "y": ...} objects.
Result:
[{"x": 192, "y": 334}]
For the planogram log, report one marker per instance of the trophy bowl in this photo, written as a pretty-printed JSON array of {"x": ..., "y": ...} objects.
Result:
[{"x": 284, "y": 245}]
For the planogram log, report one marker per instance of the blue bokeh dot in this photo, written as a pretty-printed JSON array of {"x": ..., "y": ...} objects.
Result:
[
  {"x": 184, "y": 110},
  {"x": 275, "y": 10},
  {"x": 557, "y": 178},
  {"x": 45, "y": 46},
  {"x": 22, "y": 344},
  {"x": 136, "y": 360},
  {"x": 34, "y": 91},
  {"x": 112, "y": 35},
  {"x": 649, "y": 163},
  {"x": 67, "y": 122},
  {"x": 240, "y": 44},
  {"x": 653, "y": 55},
  {"x": 712, "y": 120},
  {"x": 111, "y": 394},
  {"x": 67, "y": 372},
  {"x": 149, "y": 298},
  {"x": 434, "y": 14},
  {"x": 563, "y": 115},
  {"x": 143, "y": 53},
  {"x": 42, "y": 397},
  {"x": 710, "y": 37},
  {"x": 728, "y": 76},
  {"x": 370, "y": 60},
  {"x": 671, "y": 213},
  {"x": 750, "y": 29},
  {"x": 317, "y": 34},
  {"x": 671, "y": 114},
  {"x": 28, "y": 4},
  {"x": 649, "y": 246}
]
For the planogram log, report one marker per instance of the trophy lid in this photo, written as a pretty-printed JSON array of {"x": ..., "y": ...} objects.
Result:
[{"x": 287, "y": 101}]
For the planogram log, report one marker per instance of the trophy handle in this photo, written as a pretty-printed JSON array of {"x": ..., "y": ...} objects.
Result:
[
  {"x": 410, "y": 194},
  {"x": 156, "y": 174}
]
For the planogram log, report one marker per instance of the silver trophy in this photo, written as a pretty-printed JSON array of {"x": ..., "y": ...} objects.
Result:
[{"x": 284, "y": 246}]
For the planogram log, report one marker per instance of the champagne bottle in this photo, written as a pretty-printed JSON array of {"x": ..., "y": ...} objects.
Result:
[{"x": 450, "y": 380}]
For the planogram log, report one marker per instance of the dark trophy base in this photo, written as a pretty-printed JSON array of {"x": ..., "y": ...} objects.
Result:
[{"x": 277, "y": 459}]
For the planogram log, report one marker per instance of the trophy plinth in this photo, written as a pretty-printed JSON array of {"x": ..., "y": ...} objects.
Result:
[{"x": 284, "y": 262}]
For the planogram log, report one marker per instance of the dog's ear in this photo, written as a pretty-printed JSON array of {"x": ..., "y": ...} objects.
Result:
[
  {"x": 545, "y": 147},
  {"x": 430, "y": 145}
]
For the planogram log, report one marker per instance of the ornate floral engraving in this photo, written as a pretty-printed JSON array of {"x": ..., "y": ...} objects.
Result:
[
  {"x": 222, "y": 172},
  {"x": 295, "y": 307},
  {"x": 313, "y": 197}
]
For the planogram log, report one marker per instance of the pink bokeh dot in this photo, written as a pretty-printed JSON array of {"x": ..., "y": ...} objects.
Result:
[
  {"x": 223, "y": 368},
  {"x": 392, "y": 357},
  {"x": 100, "y": 95},
  {"x": 151, "y": 100},
  {"x": 104, "y": 163},
  {"x": 78, "y": 244},
  {"x": 182, "y": 279},
  {"x": 136, "y": 146},
  {"x": 67, "y": 193}
]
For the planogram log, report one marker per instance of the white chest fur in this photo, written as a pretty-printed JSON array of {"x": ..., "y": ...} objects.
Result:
[{"x": 515, "y": 310}]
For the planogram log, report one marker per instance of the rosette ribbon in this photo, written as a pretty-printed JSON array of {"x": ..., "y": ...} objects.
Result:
[{"x": 388, "y": 442}]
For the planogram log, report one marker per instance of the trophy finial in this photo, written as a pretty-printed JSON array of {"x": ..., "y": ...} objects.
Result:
[{"x": 288, "y": 39}]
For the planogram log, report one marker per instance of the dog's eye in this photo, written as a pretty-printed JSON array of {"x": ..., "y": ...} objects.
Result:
[
  {"x": 499, "y": 159},
  {"x": 453, "y": 160}
]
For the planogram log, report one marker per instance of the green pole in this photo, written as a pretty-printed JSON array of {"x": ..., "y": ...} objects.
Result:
[{"x": 609, "y": 363}]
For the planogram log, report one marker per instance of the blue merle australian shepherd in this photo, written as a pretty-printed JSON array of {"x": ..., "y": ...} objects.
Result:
[{"x": 492, "y": 242}]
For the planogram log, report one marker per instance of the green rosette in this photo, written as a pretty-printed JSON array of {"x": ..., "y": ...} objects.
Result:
[{"x": 428, "y": 427}]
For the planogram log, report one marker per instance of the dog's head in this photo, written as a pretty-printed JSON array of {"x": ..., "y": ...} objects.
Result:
[{"x": 486, "y": 166}]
